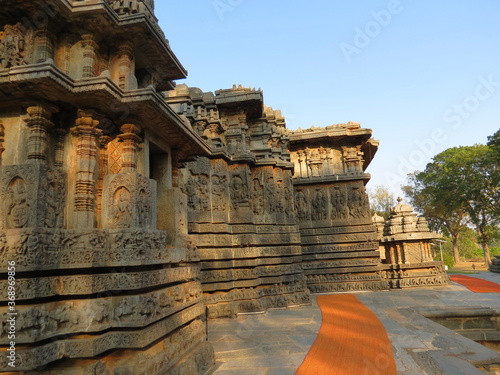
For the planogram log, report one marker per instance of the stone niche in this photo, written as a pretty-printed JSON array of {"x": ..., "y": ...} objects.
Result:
[
  {"x": 408, "y": 257},
  {"x": 129, "y": 201},
  {"x": 32, "y": 196}
]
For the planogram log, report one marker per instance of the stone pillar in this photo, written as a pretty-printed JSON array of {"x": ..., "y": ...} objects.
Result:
[
  {"x": 130, "y": 147},
  {"x": 60, "y": 135},
  {"x": 125, "y": 65},
  {"x": 39, "y": 124},
  {"x": 2, "y": 140},
  {"x": 89, "y": 55},
  {"x": 87, "y": 134},
  {"x": 103, "y": 171},
  {"x": 44, "y": 45}
]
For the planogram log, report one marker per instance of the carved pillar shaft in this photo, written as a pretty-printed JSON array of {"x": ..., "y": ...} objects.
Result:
[
  {"x": 103, "y": 171},
  {"x": 2, "y": 140},
  {"x": 60, "y": 135},
  {"x": 44, "y": 45},
  {"x": 89, "y": 55},
  {"x": 126, "y": 56},
  {"x": 130, "y": 147},
  {"x": 39, "y": 124},
  {"x": 86, "y": 161}
]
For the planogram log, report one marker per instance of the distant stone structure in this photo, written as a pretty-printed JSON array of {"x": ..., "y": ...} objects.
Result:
[
  {"x": 339, "y": 242},
  {"x": 241, "y": 212},
  {"x": 132, "y": 209},
  {"x": 408, "y": 256}
]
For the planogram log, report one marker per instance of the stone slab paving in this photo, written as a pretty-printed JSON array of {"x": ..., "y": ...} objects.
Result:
[{"x": 276, "y": 342}]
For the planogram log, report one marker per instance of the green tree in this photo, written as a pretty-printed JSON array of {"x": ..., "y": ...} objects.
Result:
[
  {"x": 427, "y": 192},
  {"x": 381, "y": 201},
  {"x": 460, "y": 184}
]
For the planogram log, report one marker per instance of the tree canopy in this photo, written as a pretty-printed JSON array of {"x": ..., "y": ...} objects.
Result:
[{"x": 460, "y": 187}]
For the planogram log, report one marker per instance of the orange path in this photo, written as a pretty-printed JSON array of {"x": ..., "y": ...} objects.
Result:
[
  {"x": 351, "y": 341},
  {"x": 475, "y": 284}
]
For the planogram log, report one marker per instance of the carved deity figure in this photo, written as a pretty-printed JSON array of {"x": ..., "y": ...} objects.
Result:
[
  {"x": 218, "y": 193},
  {"x": 301, "y": 205},
  {"x": 238, "y": 191},
  {"x": 202, "y": 193},
  {"x": 258, "y": 197},
  {"x": 12, "y": 46},
  {"x": 17, "y": 204},
  {"x": 353, "y": 159},
  {"x": 338, "y": 204},
  {"x": 271, "y": 195},
  {"x": 122, "y": 211},
  {"x": 319, "y": 206},
  {"x": 143, "y": 208},
  {"x": 53, "y": 203}
]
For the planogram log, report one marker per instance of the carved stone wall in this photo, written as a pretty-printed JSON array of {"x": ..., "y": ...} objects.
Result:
[
  {"x": 99, "y": 288},
  {"x": 339, "y": 243},
  {"x": 240, "y": 203},
  {"x": 408, "y": 257}
]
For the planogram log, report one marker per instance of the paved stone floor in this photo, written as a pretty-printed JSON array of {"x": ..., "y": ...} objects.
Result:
[{"x": 275, "y": 343}]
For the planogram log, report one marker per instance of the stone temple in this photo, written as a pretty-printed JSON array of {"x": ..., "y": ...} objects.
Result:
[{"x": 134, "y": 209}]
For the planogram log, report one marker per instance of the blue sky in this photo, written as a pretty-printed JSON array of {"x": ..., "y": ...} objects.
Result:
[{"x": 424, "y": 75}]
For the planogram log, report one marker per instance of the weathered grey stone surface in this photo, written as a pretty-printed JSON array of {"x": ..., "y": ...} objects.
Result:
[
  {"x": 104, "y": 283},
  {"x": 408, "y": 260},
  {"x": 339, "y": 242},
  {"x": 241, "y": 213}
]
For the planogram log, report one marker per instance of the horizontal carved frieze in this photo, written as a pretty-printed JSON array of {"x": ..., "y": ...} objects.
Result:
[
  {"x": 412, "y": 282},
  {"x": 340, "y": 263},
  {"x": 44, "y": 321},
  {"x": 348, "y": 286},
  {"x": 227, "y": 240},
  {"x": 200, "y": 228},
  {"x": 361, "y": 254},
  {"x": 248, "y": 252},
  {"x": 257, "y": 305},
  {"x": 343, "y": 270},
  {"x": 238, "y": 263},
  {"x": 337, "y": 230},
  {"x": 240, "y": 274},
  {"x": 313, "y": 249},
  {"x": 64, "y": 249},
  {"x": 255, "y": 293},
  {"x": 42, "y": 287},
  {"x": 340, "y": 238},
  {"x": 91, "y": 346},
  {"x": 316, "y": 279},
  {"x": 261, "y": 282}
]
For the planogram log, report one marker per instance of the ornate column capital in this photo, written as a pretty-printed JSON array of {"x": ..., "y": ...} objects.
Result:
[{"x": 131, "y": 146}]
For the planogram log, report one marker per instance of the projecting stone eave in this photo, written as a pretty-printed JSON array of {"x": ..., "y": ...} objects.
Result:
[
  {"x": 337, "y": 133},
  {"x": 48, "y": 83},
  {"x": 250, "y": 99},
  {"x": 415, "y": 236},
  {"x": 97, "y": 16},
  {"x": 369, "y": 150},
  {"x": 365, "y": 177}
]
